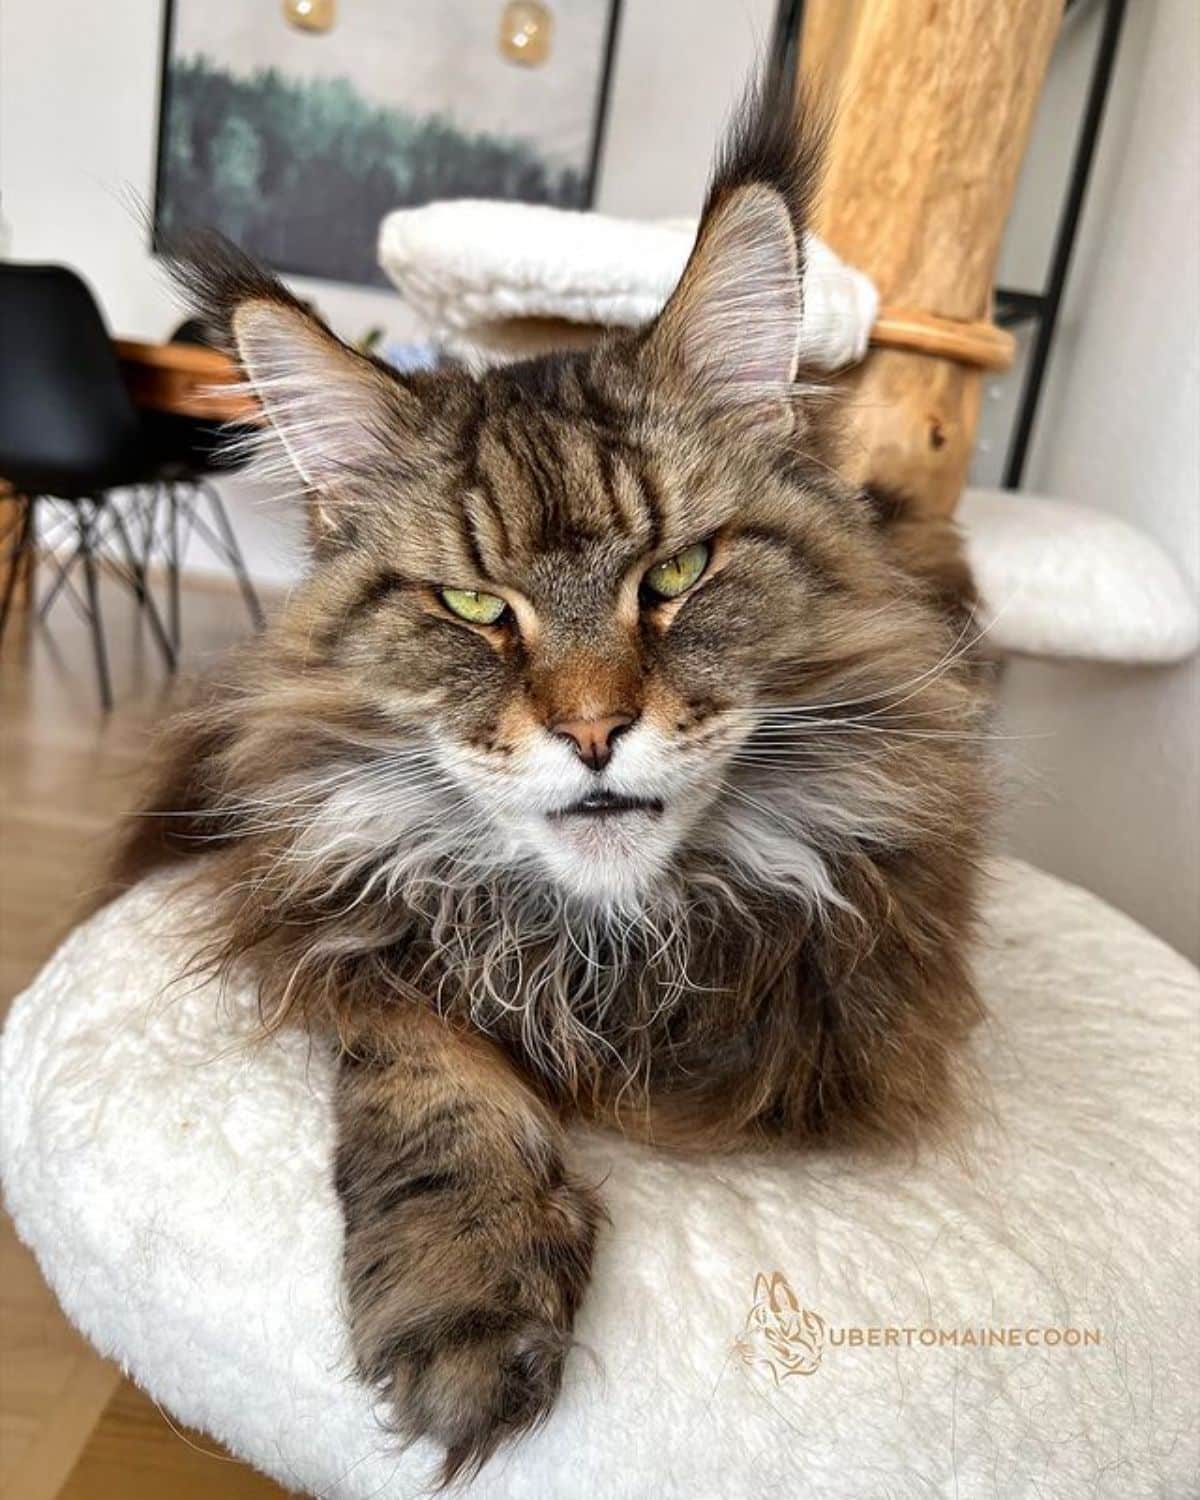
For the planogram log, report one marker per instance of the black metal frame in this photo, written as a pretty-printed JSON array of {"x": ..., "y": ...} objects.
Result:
[
  {"x": 1043, "y": 308},
  {"x": 1016, "y": 307},
  {"x": 87, "y": 526},
  {"x": 785, "y": 35},
  {"x": 83, "y": 527}
]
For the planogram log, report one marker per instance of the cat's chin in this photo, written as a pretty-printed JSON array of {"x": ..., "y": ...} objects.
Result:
[{"x": 609, "y": 857}]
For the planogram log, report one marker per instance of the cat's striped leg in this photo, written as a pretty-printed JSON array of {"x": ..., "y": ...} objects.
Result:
[{"x": 468, "y": 1241}]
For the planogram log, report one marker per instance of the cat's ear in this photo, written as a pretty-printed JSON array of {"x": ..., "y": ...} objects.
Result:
[
  {"x": 330, "y": 406},
  {"x": 339, "y": 419},
  {"x": 731, "y": 329}
]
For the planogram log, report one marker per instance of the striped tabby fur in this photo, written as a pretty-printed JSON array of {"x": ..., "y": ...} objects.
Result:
[{"x": 763, "y": 938}]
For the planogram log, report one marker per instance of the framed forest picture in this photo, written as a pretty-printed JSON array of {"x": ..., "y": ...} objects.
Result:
[{"x": 294, "y": 127}]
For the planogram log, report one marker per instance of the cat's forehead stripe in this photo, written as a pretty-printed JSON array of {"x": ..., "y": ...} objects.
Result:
[
  {"x": 549, "y": 483},
  {"x": 485, "y": 516}
]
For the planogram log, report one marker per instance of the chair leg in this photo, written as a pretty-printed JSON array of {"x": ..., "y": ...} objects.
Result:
[
  {"x": 20, "y": 560},
  {"x": 233, "y": 554},
  {"x": 86, "y": 523},
  {"x": 62, "y": 580},
  {"x": 174, "y": 626},
  {"x": 137, "y": 575}
]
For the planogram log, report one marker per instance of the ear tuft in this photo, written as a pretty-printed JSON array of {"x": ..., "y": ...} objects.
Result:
[
  {"x": 214, "y": 278},
  {"x": 777, "y": 138},
  {"x": 340, "y": 418},
  {"x": 732, "y": 326}
]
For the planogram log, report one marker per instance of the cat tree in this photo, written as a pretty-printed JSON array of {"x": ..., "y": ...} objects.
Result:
[{"x": 933, "y": 107}]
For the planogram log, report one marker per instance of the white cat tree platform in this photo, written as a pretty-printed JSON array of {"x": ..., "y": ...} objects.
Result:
[{"x": 1033, "y": 1295}]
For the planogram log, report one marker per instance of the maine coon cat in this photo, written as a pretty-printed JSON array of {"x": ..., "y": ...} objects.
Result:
[{"x": 614, "y": 761}]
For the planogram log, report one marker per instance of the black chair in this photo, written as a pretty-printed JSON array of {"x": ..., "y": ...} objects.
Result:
[{"x": 69, "y": 436}]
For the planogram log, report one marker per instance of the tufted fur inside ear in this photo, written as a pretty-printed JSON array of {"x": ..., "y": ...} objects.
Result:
[
  {"x": 330, "y": 406},
  {"x": 339, "y": 419},
  {"x": 733, "y": 323},
  {"x": 732, "y": 326}
]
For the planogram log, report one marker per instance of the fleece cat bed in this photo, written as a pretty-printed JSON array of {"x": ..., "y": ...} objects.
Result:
[
  {"x": 1058, "y": 579},
  {"x": 487, "y": 278},
  {"x": 1015, "y": 1318}
]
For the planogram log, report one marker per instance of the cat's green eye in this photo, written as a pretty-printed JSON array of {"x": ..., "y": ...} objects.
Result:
[
  {"x": 473, "y": 605},
  {"x": 670, "y": 579}
]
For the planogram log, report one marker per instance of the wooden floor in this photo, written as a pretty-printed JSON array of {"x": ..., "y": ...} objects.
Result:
[{"x": 70, "y": 1425}]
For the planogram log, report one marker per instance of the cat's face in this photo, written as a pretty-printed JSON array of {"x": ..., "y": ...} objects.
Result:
[
  {"x": 596, "y": 591},
  {"x": 586, "y": 606}
]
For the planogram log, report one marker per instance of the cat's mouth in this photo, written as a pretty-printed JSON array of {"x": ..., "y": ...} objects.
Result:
[
  {"x": 607, "y": 845},
  {"x": 607, "y": 805}
]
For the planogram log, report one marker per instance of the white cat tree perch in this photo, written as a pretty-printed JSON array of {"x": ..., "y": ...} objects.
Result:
[{"x": 499, "y": 281}]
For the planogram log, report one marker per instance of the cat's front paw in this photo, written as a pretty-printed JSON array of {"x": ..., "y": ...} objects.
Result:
[
  {"x": 472, "y": 1379},
  {"x": 464, "y": 1322}
]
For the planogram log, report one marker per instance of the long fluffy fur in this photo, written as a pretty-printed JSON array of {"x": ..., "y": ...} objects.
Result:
[{"x": 781, "y": 956}]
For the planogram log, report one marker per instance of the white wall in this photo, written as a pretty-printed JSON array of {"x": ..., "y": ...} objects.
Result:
[
  {"x": 1113, "y": 799},
  {"x": 78, "y": 122},
  {"x": 679, "y": 69}
]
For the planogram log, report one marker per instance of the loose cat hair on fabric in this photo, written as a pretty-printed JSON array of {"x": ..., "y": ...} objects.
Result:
[{"x": 614, "y": 761}]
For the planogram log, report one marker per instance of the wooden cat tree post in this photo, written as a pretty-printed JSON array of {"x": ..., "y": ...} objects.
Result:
[{"x": 934, "y": 100}]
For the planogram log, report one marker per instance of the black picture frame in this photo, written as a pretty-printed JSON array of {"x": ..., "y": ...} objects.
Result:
[{"x": 164, "y": 234}]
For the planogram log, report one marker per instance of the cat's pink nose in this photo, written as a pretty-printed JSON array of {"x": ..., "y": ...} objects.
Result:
[{"x": 593, "y": 738}]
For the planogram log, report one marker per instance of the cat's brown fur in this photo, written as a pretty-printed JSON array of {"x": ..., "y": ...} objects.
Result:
[{"x": 777, "y": 954}]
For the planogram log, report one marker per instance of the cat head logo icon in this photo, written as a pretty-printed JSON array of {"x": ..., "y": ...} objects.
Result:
[{"x": 780, "y": 1335}]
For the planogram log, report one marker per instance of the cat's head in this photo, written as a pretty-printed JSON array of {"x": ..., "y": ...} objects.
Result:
[{"x": 590, "y": 580}]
